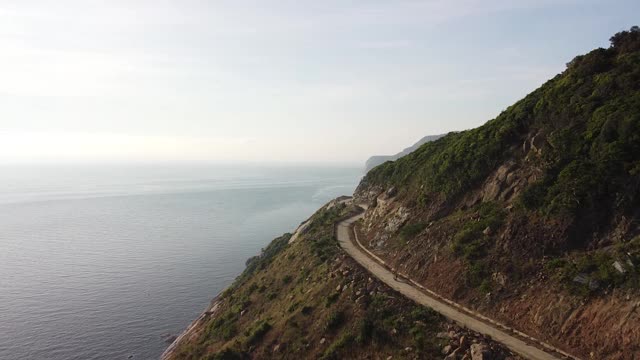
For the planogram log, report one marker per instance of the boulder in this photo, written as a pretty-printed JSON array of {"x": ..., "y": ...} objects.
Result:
[
  {"x": 480, "y": 352},
  {"x": 392, "y": 192},
  {"x": 464, "y": 342},
  {"x": 447, "y": 349},
  {"x": 618, "y": 266},
  {"x": 582, "y": 278},
  {"x": 499, "y": 278},
  {"x": 455, "y": 355}
]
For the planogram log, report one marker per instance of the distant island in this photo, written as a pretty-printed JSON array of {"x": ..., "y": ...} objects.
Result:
[{"x": 381, "y": 159}]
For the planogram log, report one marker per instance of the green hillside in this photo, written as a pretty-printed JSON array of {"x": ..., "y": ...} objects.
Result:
[{"x": 586, "y": 124}]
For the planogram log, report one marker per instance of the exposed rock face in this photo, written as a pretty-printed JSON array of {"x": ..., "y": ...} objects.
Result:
[
  {"x": 534, "y": 145},
  {"x": 301, "y": 230},
  {"x": 397, "y": 219},
  {"x": 379, "y": 211},
  {"x": 392, "y": 192},
  {"x": 529, "y": 303},
  {"x": 505, "y": 183},
  {"x": 368, "y": 194}
]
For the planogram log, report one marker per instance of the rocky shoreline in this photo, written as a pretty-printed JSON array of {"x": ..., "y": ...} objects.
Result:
[{"x": 192, "y": 328}]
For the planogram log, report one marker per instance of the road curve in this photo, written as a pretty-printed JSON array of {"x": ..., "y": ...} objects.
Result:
[{"x": 344, "y": 232}]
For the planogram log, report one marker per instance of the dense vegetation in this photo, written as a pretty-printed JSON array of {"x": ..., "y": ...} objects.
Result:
[
  {"x": 579, "y": 134},
  {"x": 589, "y": 119},
  {"x": 573, "y": 146}
]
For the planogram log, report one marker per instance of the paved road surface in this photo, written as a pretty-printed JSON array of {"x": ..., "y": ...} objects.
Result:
[{"x": 344, "y": 234}]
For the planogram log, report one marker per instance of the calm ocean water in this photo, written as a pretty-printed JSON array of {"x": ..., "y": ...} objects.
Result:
[{"x": 102, "y": 262}]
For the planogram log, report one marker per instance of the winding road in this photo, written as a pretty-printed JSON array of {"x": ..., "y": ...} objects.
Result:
[{"x": 417, "y": 293}]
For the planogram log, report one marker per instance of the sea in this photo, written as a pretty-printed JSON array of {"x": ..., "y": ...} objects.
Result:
[{"x": 109, "y": 261}]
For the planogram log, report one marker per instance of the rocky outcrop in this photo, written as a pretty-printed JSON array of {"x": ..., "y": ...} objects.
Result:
[
  {"x": 530, "y": 303},
  {"x": 533, "y": 146},
  {"x": 397, "y": 219},
  {"x": 192, "y": 332},
  {"x": 462, "y": 344},
  {"x": 480, "y": 352},
  {"x": 505, "y": 183}
]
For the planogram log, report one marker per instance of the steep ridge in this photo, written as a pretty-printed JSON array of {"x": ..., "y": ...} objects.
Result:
[
  {"x": 380, "y": 159},
  {"x": 533, "y": 218},
  {"x": 308, "y": 299}
]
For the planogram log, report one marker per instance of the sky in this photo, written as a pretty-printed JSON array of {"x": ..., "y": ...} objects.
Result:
[{"x": 327, "y": 82}]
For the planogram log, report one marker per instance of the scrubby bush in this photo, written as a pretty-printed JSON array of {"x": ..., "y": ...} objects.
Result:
[
  {"x": 366, "y": 328},
  {"x": 335, "y": 320},
  {"x": 598, "y": 265},
  {"x": 331, "y": 299},
  {"x": 470, "y": 241},
  {"x": 254, "y": 336},
  {"x": 228, "y": 354},
  {"x": 223, "y": 326},
  {"x": 409, "y": 231},
  {"x": 260, "y": 262},
  {"x": 306, "y": 310},
  {"x": 332, "y": 351}
]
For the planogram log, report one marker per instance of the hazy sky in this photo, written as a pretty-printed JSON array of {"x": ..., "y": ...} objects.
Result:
[{"x": 273, "y": 81}]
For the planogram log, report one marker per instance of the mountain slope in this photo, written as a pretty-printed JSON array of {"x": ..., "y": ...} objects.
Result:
[
  {"x": 532, "y": 218},
  {"x": 307, "y": 299},
  {"x": 380, "y": 159}
]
